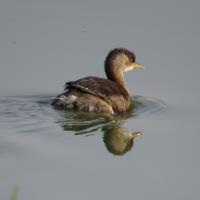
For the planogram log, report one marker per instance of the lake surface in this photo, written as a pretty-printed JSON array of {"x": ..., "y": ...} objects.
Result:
[
  {"x": 51, "y": 154},
  {"x": 150, "y": 152}
]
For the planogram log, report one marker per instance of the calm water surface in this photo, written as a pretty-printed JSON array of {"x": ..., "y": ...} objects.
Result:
[
  {"x": 150, "y": 152},
  {"x": 41, "y": 146},
  {"x": 51, "y": 154}
]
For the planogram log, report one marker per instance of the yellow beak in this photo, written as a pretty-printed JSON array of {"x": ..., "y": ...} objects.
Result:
[{"x": 137, "y": 66}]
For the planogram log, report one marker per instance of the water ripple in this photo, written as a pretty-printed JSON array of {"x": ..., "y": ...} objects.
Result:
[{"x": 29, "y": 114}]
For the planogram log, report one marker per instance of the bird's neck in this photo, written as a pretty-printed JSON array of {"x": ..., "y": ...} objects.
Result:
[{"x": 114, "y": 73}]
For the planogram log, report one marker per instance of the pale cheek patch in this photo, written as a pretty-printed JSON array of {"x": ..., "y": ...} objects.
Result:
[{"x": 128, "y": 69}]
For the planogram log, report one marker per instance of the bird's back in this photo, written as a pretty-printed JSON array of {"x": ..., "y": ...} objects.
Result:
[{"x": 94, "y": 94}]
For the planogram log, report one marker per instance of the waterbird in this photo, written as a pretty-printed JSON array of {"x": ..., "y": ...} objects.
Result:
[{"x": 95, "y": 94}]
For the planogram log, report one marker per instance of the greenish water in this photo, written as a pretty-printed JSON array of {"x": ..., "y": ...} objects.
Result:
[
  {"x": 34, "y": 115},
  {"x": 35, "y": 137}
]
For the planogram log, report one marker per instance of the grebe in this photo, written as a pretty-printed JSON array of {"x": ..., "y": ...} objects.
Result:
[{"x": 99, "y": 94}]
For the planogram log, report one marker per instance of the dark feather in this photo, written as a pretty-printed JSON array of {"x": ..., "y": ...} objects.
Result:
[{"x": 99, "y": 87}]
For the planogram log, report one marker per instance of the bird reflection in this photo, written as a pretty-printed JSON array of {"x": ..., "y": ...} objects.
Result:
[{"x": 117, "y": 140}]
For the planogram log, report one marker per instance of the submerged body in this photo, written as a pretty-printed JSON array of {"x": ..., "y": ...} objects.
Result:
[{"x": 96, "y": 94}]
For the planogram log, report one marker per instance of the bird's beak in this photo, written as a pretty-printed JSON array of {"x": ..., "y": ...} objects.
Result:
[{"x": 137, "y": 65}]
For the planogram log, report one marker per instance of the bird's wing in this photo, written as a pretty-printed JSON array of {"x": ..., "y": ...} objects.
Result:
[{"x": 100, "y": 87}]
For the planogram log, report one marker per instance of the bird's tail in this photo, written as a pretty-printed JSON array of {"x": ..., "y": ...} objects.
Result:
[{"x": 60, "y": 101}]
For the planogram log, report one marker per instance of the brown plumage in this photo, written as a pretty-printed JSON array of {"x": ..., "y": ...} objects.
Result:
[{"x": 100, "y": 94}]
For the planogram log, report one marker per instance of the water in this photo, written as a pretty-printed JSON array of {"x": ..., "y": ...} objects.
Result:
[
  {"x": 34, "y": 116},
  {"x": 150, "y": 152},
  {"x": 50, "y": 154},
  {"x": 34, "y": 135}
]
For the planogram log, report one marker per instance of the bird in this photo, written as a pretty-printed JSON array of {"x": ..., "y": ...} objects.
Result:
[{"x": 105, "y": 95}]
